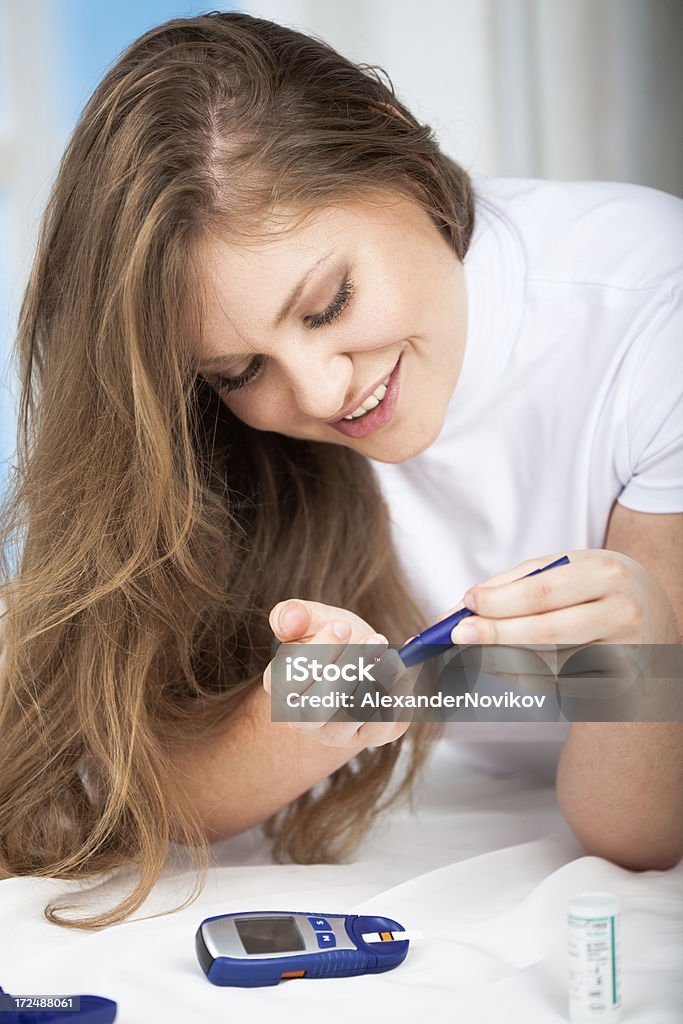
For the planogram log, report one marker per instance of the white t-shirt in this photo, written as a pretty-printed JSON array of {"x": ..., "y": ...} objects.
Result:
[{"x": 570, "y": 396}]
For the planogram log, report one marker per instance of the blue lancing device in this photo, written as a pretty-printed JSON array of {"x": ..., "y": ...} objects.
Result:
[
  {"x": 263, "y": 948},
  {"x": 437, "y": 639}
]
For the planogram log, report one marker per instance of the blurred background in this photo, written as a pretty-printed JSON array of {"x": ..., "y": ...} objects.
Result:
[{"x": 569, "y": 89}]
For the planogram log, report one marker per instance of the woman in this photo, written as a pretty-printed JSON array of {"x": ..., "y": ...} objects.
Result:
[{"x": 247, "y": 237}]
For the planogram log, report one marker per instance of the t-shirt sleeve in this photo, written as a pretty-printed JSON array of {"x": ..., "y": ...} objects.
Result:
[{"x": 655, "y": 414}]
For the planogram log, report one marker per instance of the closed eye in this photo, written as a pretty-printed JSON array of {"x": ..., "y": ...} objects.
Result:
[
  {"x": 334, "y": 310},
  {"x": 235, "y": 383},
  {"x": 336, "y": 307}
]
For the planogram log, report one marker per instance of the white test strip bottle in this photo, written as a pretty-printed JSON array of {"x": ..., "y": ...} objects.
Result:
[{"x": 594, "y": 970}]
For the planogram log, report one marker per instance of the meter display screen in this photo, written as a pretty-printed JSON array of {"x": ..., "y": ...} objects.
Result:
[{"x": 269, "y": 934}]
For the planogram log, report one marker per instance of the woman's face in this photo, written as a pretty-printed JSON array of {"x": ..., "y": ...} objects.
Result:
[{"x": 303, "y": 326}]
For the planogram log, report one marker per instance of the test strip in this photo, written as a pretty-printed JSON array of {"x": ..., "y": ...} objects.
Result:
[{"x": 391, "y": 936}]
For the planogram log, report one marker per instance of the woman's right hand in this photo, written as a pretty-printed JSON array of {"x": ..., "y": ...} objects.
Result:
[{"x": 330, "y": 630}]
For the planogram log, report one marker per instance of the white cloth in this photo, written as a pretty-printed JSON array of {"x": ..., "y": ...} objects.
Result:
[
  {"x": 570, "y": 395},
  {"x": 483, "y": 867}
]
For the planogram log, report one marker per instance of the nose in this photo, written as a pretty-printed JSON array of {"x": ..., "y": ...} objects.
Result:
[{"x": 319, "y": 382}]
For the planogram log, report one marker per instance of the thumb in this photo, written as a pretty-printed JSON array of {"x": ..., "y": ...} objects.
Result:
[{"x": 290, "y": 619}]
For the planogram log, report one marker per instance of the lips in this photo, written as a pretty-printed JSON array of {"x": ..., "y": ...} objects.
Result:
[
  {"x": 359, "y": 401},
  {"x": 377, "y": 417}
]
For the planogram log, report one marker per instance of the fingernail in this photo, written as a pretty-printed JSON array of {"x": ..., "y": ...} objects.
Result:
[
  {"x": 341, "y": 630},
  {"x": 288, "y": 617},
  {"x": 465, "y": 633},
  {"x": 468, "y": 600}
]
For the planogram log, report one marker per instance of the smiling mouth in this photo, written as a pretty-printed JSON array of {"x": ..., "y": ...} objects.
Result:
[
  {"x": 375, "y": 411},
  {"x": 371, "y": 402}
]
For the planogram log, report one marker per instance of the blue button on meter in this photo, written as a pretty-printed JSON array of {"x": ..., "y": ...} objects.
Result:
[
  {"x": 265, "y": 947},
  {"x": 320, "y": 924}
]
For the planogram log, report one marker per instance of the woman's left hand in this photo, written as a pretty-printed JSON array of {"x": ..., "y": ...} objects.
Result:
[{"x": 599, "y": 597}]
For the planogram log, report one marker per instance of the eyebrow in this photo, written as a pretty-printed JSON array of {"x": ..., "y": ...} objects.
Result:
[
  {"x": 296, "y": 292},
  {"x": 279, "y": 319}
]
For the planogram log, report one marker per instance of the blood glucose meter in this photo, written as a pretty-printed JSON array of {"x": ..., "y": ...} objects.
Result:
[{"x": 262, "y": 948}]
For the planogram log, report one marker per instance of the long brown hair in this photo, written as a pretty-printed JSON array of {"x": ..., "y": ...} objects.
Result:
[{"x": 147, "y": 532}]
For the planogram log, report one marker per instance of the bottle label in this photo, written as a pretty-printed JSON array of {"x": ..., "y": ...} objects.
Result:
[{"x": 594, "y": 984}]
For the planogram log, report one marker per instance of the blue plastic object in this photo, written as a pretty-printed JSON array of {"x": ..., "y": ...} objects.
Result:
[
  {"x": 318, "y": 956},
  {"x": 437, "y": 638},
  {"x": 94, "y": 1010}
]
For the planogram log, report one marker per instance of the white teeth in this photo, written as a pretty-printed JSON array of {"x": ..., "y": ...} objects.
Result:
[{"x": 371, "y": 402}]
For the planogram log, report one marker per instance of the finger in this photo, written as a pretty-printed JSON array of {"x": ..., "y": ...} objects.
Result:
[
  {"x": 334, "y": 726},
  {"x": 386, "y": 668},
  {"x": 506, "y": 660},
  {"x": 531, "y": 564},
  {"x": 517, "y": 571},
  {"x": 341, "y": 731},
  {"x": 372, "y": 648},
  {"x": 403, "y": 686},
  {"x": 296, "y": 619},
  {"x": 376, "y": 734},
  {"x": 389, "y": 669},
  {"x": 275, "y": 673},
  {"x": 363, "y": 654},
  {"x": 291, "y": 619},
  {"x": 390, "y": 676},
  {"x": 563, "y": 587},
  {"x": 520, "y": 667},
  {"x": 362, "y": 734},
  {"x": 540, "y": 662},
  {"x": 581, "y": 624},
  {"x": 593, "y": 671}
]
